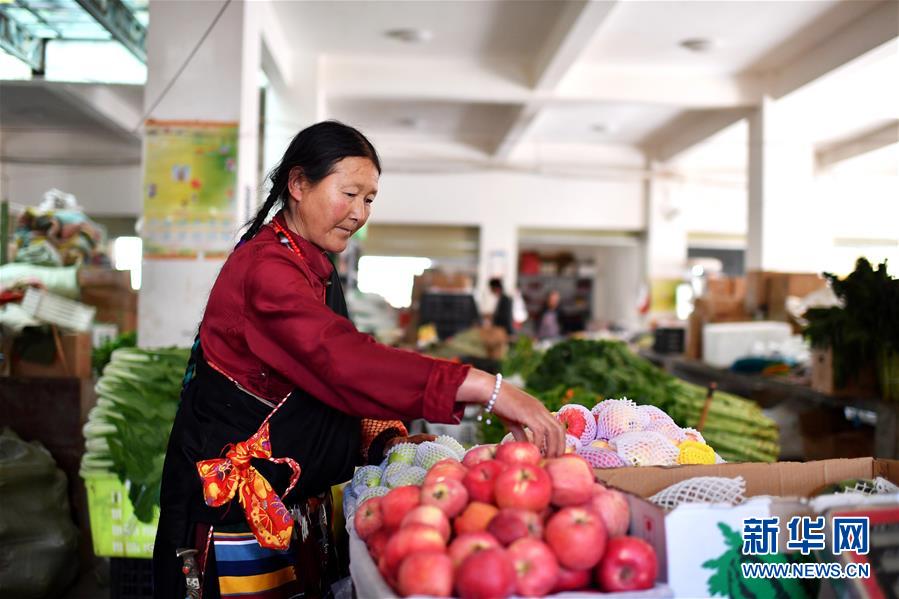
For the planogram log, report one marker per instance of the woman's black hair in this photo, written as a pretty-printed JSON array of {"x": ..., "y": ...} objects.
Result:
[{"x": 315, "y": 150}]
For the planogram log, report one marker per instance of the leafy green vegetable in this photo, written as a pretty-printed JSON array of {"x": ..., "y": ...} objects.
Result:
[
  {"x": 127, "y": 431},
  {"x": 586, "y": 372},
  {"x": 101, "y": 355},
  {"x": 865, "y": 330}
]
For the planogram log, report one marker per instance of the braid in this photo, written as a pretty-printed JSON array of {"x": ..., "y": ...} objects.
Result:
[{"x": 259, "y": 220}]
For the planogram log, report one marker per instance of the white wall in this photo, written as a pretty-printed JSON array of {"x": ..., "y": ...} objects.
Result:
[{"x": 101, "y": 190}]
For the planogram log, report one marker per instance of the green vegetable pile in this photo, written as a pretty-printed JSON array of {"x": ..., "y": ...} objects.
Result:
[
  {"x": 103, "y": 353},
  {"x": 865, "y": 330},
  {"x": 586, "y": 372},
  {"x": 127, "y": 431}
]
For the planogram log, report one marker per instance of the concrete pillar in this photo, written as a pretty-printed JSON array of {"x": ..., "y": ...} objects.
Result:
[
  {"x": 666, "y": 231},
  {"x": 497, "y": 257},
  {"x": 220, "y": 83},
  {"x": 788, "y": 229}
]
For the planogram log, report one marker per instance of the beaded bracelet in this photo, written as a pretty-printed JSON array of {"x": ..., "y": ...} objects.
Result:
[{"x": 488, "y": 409}]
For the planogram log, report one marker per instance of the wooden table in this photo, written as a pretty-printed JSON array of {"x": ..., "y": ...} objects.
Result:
[{"x": 768, "y": 391}]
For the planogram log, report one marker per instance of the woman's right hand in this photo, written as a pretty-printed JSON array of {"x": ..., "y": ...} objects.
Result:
[{"x": 517, "y": 410}]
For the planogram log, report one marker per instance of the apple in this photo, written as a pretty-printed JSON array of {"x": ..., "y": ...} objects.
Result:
[
  {"x": 523, "y": 486},
  {"x": 612, "y": 508},
  {"x": 578, "y": 421},
  {"x": 468, "y": 543},
  {"x": 572, "y": 580},
  {"x": 536, "y": 568},
  {"x": 368, "y": 519},
  {"x": 511, "y": 524},
  {"x": 385, "y": 571},
  {"x": 377, "y": 542},
  {"x": 399, "y": 502},
  {"x": 445, "y": 469},
  {"x": 629, "y": 564},
  {"x": 415, "y": 538},
  {"x": 486, "y": 574},
  {"x": 481, "y": 478},
  {"x": 429, "y": 515},
  {"x": 478, "y": 454},
  {"x": 518, "y": 452},
  {"x": 449, "y": 495},
  {"x": 600, "y": 444},
  {"x": 572, "y": 480},
  {"x": 429, "y": 574},
  {"x": 475, "y": 518},
  {"x": 577, "y": 536}
]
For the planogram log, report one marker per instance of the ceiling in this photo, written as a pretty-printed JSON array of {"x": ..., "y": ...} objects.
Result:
[{"x": 499, "y": 83}]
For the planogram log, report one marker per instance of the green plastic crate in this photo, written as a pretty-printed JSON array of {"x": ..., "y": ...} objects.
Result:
[{"x": 114, "y": 529}]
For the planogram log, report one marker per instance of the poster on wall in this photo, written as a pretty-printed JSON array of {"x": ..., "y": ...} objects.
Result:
[{"x": 190, "y": 177}]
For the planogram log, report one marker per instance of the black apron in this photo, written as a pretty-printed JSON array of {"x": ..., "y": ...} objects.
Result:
[{"x": 213, "y": 413}]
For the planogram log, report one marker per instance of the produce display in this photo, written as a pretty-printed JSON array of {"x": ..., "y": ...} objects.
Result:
[
  {"x": 501, "y": 522},
  {"x": 127, "y": 431},
  {"x": 587, "y": 372}
]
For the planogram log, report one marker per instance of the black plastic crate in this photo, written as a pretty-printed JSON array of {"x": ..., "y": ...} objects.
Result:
[
  {"x": 669, "y": 340},
  {"x": 130, "y": 578}
]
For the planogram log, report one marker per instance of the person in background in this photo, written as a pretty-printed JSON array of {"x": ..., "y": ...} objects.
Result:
[
  {"x": 548, "y": 326},
  {"x": 502, "y": 315}
]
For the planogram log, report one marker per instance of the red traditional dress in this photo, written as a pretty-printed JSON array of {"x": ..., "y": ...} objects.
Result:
[{"x": 286, "y": 398}]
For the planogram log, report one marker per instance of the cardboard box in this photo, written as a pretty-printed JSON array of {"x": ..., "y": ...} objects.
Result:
[
  {"x": 783, "y": 285},
  {"x": 863, "y": 384},
  {"x": 698, "y": 538},
  {"x": 76, "y": 348}
]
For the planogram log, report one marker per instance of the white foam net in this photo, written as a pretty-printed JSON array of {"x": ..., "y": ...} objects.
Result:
[
  {"x": 702, "y": 489},
  {"x": 601, "y": 458},
  {"x": 694, "y": 435},
  {"x": 618, "y": 416},
  {"x": 668, "y": 429},
  {"x": 645, "y": 448},
  {"x": 572, "y": 441}
]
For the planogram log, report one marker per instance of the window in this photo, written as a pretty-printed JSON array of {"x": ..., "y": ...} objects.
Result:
[
  {"x": 391, "y": 277},
  {"x": 127, "y": 253}
]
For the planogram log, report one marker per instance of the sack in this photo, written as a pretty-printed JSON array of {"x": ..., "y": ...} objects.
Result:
[{"x": 38, "y": 540}]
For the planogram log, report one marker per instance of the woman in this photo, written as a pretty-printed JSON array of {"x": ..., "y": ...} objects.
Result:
[
  {"x": 548, "y": 326},
  {"x": 283, "y": 391}
]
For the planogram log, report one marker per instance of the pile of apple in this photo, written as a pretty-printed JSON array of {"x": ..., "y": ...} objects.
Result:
[{"x": 505, "y": 521}]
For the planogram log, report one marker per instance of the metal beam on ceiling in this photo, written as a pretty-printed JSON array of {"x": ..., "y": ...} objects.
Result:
[
  {"x": 120, "y": 22},
  {"x": 17, "y": 41}
]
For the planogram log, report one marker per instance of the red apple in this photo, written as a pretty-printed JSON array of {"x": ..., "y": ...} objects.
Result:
[
  {"x": 572, "y": 480},
  {"x": 629, "y": 565},
  {"x": 518, "y": 452},
  {"x": 612, "y": 507},
  {"x": 368, "y": 519},
  {"x": 511, "y": 524},
  {"x": 487, "y": 574},
  {"x": 429, "y": 574},
  {"x": 480, "y": 480},
  {"x": 468, "y": 543},
  {"x": 377, "y": 542},
  {"x": 399, "y": 502},
  {"x": 449, "y": 495},
  {"x": 429, "y": 515},
  {"x": 536, "y": 568},
  {"x": 415, "y": 538},
  {"x": 572, "y": 580},
  {"x": 445, "y": 469},
  {"x": 478, "y": 454},
  {"x": 385, "y": 571},
  {"x": 523, "y": 486},
  {"x": 577, "y": 536},
  {"x": 574, "y": 421},
  {"x": 474, "y": 518}
]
